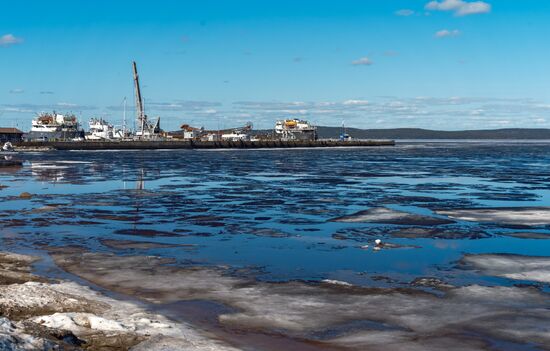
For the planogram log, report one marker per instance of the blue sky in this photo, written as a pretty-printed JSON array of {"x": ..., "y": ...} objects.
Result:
[{"x": 447, "y": 64}]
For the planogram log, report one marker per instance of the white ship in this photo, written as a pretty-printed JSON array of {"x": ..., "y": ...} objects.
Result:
[
  {"x": 55, "y": 126},
  {"x": 100, "y": 129},
  {"x": 236, "y": 135},
  {"x": 295, "y": 129}
]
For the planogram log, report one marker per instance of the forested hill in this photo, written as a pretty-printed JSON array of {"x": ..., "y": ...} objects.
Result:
[{"x": 417, "y": 133}]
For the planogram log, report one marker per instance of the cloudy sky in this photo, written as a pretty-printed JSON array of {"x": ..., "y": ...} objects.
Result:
[{"x": 447, "y": 64}]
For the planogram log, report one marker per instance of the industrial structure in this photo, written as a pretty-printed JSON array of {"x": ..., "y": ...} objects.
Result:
[
  {"x": 234, "y": 134},
  {"x": 10, "y": 135},
  {"x": 55, "y": 127},
  {"x": 295, "y": 129},
  {"x": 147, "y": 129},
  {"x": 100, "y": 129}
]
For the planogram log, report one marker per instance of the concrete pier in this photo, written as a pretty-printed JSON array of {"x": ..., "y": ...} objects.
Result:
[{"x": 187, "y": 144}]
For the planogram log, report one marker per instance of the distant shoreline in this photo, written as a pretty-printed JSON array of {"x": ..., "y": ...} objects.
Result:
[
  {"x": 427, "y": 134},
  {"x": 484, "y": 141}
]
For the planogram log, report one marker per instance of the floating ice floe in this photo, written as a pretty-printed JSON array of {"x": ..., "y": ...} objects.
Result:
[
  {"x": 439, "y": 233},
  {"x": 388, "y": 216},
  {"x": 511, "y": 266},
  {"x": 525, "y": 216},
  {"x": 527, "y": 235},
  {"x": 336, "y": 282},
  {"x": 39, "y": 165},
  {"x": 414, "y": 320}
]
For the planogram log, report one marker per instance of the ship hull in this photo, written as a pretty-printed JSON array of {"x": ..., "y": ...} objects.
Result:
[{"x": 52, "y": 136}]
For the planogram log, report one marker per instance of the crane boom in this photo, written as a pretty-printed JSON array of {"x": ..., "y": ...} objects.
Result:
[{"x": 140, "y": 114}]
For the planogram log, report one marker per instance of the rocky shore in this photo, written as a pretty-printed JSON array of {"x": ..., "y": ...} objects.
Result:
[{"x": 41, "y": 314}]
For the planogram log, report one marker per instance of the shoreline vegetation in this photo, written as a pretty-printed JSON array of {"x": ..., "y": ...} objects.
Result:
[{"x": 429, "y": 134}]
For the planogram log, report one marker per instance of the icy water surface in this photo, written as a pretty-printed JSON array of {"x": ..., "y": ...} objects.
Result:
[
  {"x": 277, "y": 210},
  {"x": 459, "y": 214}
]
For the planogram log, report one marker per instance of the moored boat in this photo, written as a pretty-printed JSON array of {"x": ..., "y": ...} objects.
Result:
[
  {"x": 100, "y": 129},
  {"x": 55, "y": 126}
]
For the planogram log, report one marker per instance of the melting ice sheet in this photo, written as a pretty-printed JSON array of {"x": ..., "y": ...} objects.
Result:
[
  {"x": 473, "y": 315},
  {"x": 458, "y": 223}
]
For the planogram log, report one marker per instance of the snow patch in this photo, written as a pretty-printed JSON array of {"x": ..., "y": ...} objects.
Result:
[
  {"x": 388, "y": 216},
  {"x": 511, "y": 266},
  {"x": 529, "y": 216},
  {"x": 300, "y": 310}
]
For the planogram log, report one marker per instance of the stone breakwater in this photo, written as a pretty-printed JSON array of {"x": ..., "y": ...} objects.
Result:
[{"x": 184, "y": 144}]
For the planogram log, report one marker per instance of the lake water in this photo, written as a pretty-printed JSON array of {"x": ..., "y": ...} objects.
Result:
[
  {"x": 292, "y": 214},
  {"x": 271, "y": 209}
]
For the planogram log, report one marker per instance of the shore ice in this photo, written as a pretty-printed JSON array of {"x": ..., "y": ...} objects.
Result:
[
  {"x": 389, "y": 216},
  {"x": 511, "y": 266},
  {"x": 527, "y": 216},
  {"x": 87, "y": 314},
  {"x": 300, "y": 310}
]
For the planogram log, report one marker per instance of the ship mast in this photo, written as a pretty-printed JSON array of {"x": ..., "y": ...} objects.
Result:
[{"x": 140, "y": 114}]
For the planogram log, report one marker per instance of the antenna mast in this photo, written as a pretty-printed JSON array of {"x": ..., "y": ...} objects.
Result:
[{"x": 124, "y": 119}]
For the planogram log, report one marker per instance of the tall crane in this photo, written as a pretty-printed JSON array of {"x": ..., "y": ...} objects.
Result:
[{"x": 145, "y": 128}]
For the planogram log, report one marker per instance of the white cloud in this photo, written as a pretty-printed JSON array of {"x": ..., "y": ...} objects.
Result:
[
  {"x": 459, "y": 7},
  {"x": 383, "y": 112},
  {"x": 404, "y": 12},
  {"x": 66, "y": 104},
  {"x": 447, "y": 33},
  {"x": 363, "y": 61},
  {"x": 356, "y": 102},
  {"x": 9, "y": 39}
]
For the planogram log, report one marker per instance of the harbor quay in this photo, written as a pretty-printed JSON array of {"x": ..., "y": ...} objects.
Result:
[{"x": 191, "y": 144}]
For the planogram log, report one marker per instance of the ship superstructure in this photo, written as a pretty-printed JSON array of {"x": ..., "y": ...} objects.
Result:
[
  {"x": 55, "y": 126},
  {"x": 100, "y": 129},
  {"x": 295, "y": 129},
  {"x": 234, "y": 134}
]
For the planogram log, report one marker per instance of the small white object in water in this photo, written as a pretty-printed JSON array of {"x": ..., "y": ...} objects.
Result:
[
  {"x": 336, "y": 282},
  {"x": 378, "y": 242},
  {"x": 376, "y": 248},
  {"x": 364, "y": 247}
]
